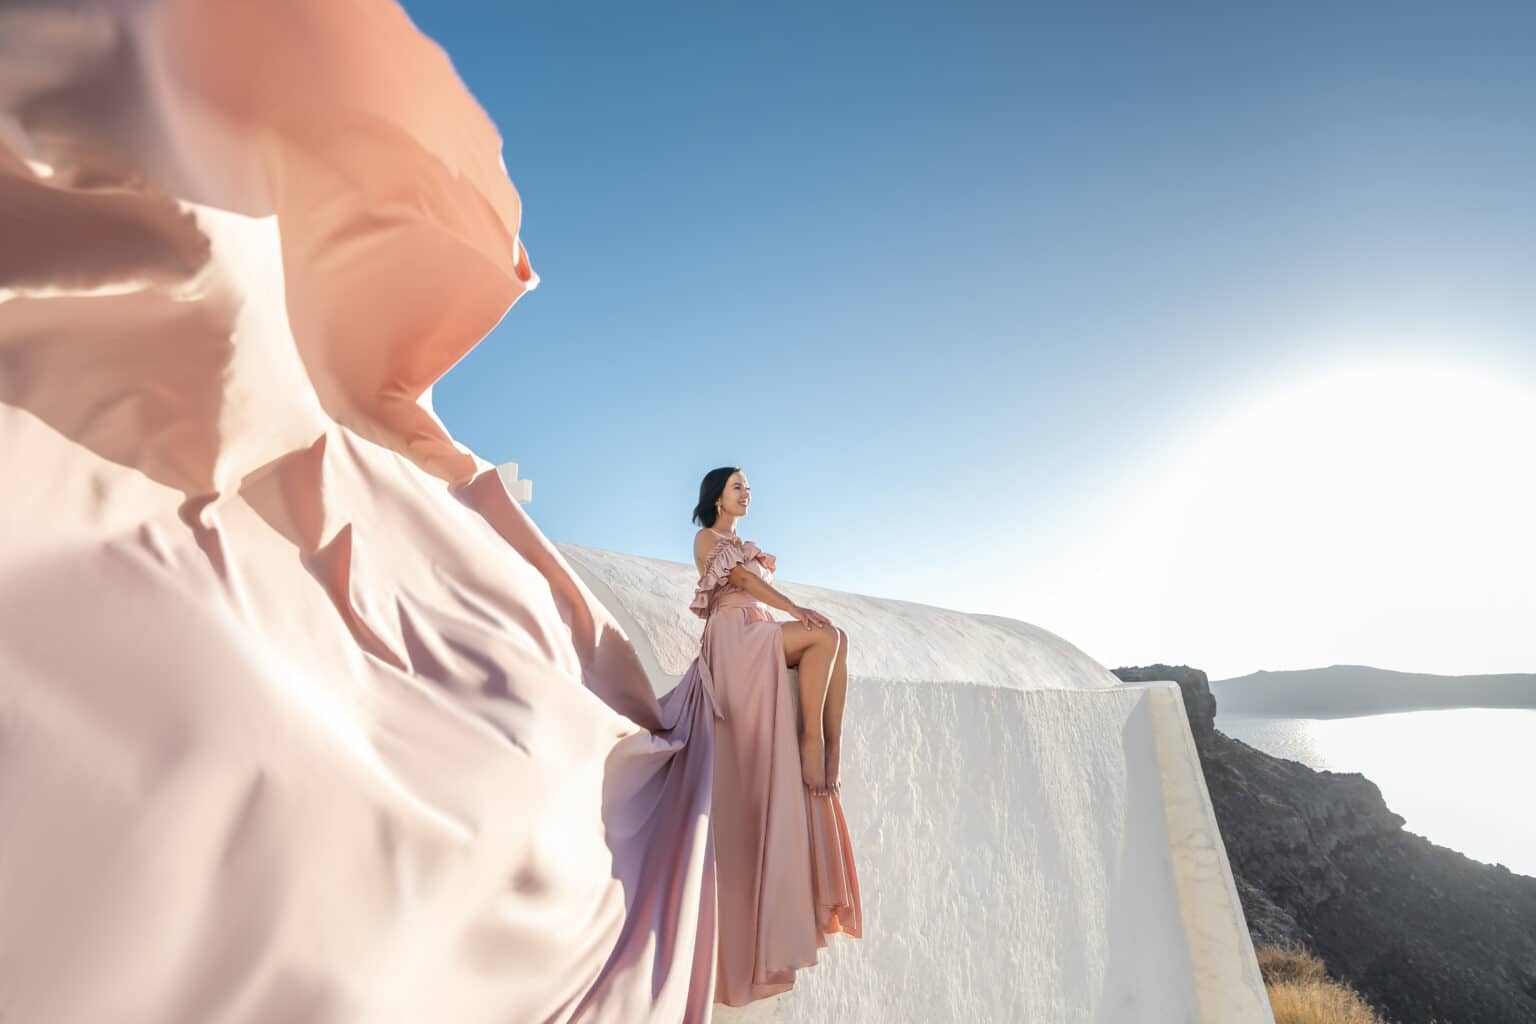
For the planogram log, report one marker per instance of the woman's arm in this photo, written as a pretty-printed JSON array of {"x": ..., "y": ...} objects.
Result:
[
  {"x": 759, "y": 588},
  {"x": 755, "y": 585}
]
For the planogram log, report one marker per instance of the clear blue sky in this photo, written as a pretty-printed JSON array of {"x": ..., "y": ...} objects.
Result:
[{"x": 944, "y": 278}]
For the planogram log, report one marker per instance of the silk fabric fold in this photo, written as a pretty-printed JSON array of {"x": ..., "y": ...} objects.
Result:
[{"x": 302, "y": 718}]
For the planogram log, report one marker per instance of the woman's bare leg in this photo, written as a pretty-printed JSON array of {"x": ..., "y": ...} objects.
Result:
[
  {"x": 815, "y": 663},
  {"x": 832, "y": 715}
]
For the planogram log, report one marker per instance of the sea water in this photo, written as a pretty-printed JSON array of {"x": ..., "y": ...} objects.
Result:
[{"x": 1463, "y": 778}]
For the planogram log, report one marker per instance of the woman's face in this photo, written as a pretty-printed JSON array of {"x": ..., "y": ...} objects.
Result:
[{"x": 736, "y": 496}]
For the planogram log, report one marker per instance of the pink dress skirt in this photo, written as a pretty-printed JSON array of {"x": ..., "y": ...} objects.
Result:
[{"x": 784, "y": 863}]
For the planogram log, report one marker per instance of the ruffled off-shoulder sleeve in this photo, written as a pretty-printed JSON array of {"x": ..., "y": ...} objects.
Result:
[{"x": 725, "y": 556}]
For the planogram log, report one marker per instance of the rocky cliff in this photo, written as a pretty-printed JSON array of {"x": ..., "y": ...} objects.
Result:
[{"x": 1425, "y": 933}]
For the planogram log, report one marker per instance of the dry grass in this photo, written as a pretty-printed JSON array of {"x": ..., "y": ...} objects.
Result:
[
  {"x": 1300, "y": 991},
  {"x": 1290, "y": 964},
  {"x": 1325, "y": 1002}
]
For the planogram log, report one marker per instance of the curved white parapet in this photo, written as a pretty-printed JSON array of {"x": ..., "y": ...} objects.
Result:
[
  {"x": 1035, "y": 842},
  {"x": 904, "y": 642}
]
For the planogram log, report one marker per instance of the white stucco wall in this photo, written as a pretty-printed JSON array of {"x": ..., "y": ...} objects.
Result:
[{"x": 1034, "y": 840}]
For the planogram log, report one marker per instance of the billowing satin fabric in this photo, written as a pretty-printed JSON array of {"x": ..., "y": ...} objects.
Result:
[
  {"x": 302, "y": 718},
  {"x": 784, "y": 861}
]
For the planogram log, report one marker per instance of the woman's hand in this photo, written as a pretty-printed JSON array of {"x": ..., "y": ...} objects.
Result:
[{"x": 810, "y": 617}]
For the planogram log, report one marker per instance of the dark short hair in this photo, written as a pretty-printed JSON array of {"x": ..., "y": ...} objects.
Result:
[{"x": 713, "y": 485}]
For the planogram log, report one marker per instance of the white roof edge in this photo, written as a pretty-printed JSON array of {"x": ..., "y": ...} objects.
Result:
[{"x": 889, "y": 638}]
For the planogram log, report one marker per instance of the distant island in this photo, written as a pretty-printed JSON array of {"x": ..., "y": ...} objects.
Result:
[{"x": 1340, "y": 691}]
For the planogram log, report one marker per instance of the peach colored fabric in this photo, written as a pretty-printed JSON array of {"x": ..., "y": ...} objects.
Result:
[
  {"x": 784, "y": 861},
  {"x": 302, "y": 718}
]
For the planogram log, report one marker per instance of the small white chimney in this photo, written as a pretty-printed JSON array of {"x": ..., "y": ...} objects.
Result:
[{"x": 521, "y": 490}]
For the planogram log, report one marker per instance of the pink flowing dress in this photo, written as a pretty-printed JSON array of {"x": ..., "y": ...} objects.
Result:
[
  {"x": 785, "y": 872},
  {"x": 302, "y": 716}
]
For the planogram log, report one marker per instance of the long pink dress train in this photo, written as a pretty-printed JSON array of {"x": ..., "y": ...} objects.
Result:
[
  {"x": 302, "y": 717},
  {"x": 783, "y": 859}
]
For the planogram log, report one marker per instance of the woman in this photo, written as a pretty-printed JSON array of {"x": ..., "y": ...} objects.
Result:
[{"x": 784, "y": 864}]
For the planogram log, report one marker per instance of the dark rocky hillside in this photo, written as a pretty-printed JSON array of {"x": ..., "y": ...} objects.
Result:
[{"x": 1424, "y": 933}]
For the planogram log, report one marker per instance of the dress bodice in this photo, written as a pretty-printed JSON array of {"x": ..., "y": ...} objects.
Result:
[{"x": 715, "y": 588}]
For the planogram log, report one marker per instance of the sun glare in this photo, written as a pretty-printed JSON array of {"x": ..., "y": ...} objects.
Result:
[{"x": 1373, "y": 514}]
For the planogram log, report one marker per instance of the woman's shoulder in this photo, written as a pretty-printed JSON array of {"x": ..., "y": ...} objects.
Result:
[{"x": 706, "y": 542}]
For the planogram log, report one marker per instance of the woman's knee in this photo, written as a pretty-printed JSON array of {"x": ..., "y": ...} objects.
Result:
[{"x": 835, "y": 639}]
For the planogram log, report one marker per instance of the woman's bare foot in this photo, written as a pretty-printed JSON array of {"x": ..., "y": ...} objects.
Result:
[
  {"x": 813, "y": 764},
  {"x": 833, "y": 750}
]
